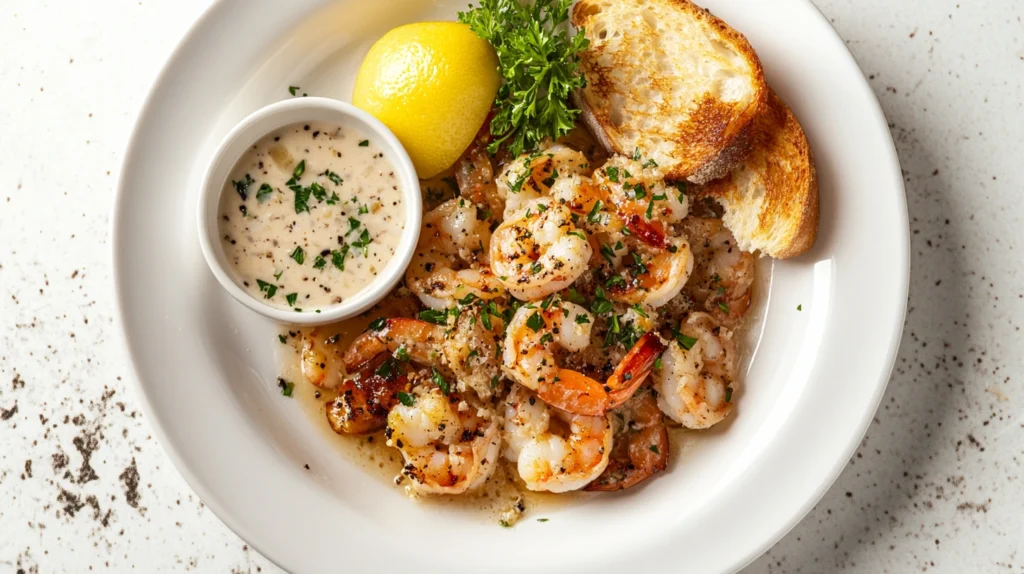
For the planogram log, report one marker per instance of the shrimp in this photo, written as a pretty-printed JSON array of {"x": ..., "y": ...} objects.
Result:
[
  {"x": 725, "y": 274},
  {"x": 364, "y": 399},
  {"x": 321, "y": 361},
  {"x": 538, "y": 250},
  {"x": 417, "y": 339},
  {"x": 470, "y": 349},
  {"x": 695, "y": 384},
  {"x": 529, "y": 358},
  {"x": 554, "y": 457},
  {"x": 474, "y": 174},
  {"x": 534, "y": 175},
  {"x": 641, "y": 444},
  {"x": 652, "y": 275},
  {"x": 638, "y": 191},
  {"x": 451, "y": 257},
  {"x": 449, "y": 445}
]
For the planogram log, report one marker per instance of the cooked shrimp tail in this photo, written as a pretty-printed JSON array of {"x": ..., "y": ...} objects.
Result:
[
  {"x": 641, "y": 447},
  {"x": 632, "y": 371},
  {"x": 421, "y": 340}
]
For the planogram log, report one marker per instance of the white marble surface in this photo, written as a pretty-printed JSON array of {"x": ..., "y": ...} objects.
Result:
[{"x": 936, "y": 485}]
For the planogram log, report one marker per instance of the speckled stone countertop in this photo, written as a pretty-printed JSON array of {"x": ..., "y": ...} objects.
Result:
[{"x": 935, "y": 486}]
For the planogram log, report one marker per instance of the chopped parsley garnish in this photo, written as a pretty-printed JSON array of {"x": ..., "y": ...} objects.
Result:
[
  {"x": 575, "y": 297},
  {"x": 301, "y": 198},
  {"x": 728, "y": 394},
  {"x": 268, "y": 289},
  {"x": 468, "y": 299},
  {"x": 650, "y": 163},
  {"x": 283, "y": 339},
  {"x": 242, "y": 187},
  {"x": 338, "y": 257},
  {"x": 613, "y": 173},
  {"x": 681, "y": 188},
  {"x": 318, "y": 191},
  {"x": 333, "y": 199},
  {"x": 378, "y": 324},
  {"x": 535, "y": 268},
  {"x": 402, "y": 354},
  {"x": 387, "y": 370},
  {"x": 298, "y": 255},
  {"x": 638, "y": 265},
  {"x": 535, "y": 322},
  {"x": 639, "y": 310},
  {"x": 364, "y": 143},
  {"x": 278, "y": 275},
  {"x": 286, "y": 387},
  {"x": 615, "y": 281},
  {"x": 800, "y": 307},
  {"x": 363, "y": 243},
  {"x": 657, "y": 363},
  {"x": 406, "y": 399},
  {"x": 364, "y": 209},
  {"x": 299, "y": 170},
  {"x": 608, "y": 254},
  {"x": 291, "y": 298},
  {"x": 578, "y": 234},
  {"x": 650, "y": 209},
  {"x": 518, "y": 183},
  {"x": 353, "y": 224},
  {"x": 264, "y": 192},
  {"x": 335, "y": 178},
  {"x": 582, "y": 319},
  {"x": 724, "y": 307},
  {"x": 636, "y": 154},
  {"x": 654, "y": 448},
  {"x": 293, "y": 89},
  {"x": 434, "y": 316},
  {"x": 685, "y": 341},
  {"x": 595, "y": 212},
  {"x": 442, "y": 384},
  {"x": 601, "y": 305},
  {"x": 319, "y": 262}
]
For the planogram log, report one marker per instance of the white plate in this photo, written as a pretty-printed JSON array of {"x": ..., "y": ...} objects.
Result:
[{"x": 205, "y": 364}]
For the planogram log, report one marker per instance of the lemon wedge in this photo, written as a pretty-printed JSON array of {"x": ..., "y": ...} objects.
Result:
[{"x": 432, "y": 84}]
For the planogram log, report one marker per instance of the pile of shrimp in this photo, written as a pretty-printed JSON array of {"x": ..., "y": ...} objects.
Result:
[{"x": 565, "y": 316}]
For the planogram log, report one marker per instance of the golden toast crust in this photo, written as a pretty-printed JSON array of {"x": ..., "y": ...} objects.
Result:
[
  {"x": 703, "y": 141},
  {"x": 778, "y": 180}
]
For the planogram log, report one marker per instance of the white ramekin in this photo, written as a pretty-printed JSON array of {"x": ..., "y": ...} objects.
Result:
[{"x": 261, "y": 123}]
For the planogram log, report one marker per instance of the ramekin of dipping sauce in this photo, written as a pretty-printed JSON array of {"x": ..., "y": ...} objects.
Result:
[{"x": 310, "y": 211}]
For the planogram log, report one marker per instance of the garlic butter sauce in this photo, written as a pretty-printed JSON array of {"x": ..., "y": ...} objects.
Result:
[{"x": 310, "y": 215}]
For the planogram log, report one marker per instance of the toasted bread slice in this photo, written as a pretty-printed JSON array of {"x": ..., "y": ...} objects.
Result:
[
  {"x": 771, "y": 198},
  {"x": 670, "y": 79}
]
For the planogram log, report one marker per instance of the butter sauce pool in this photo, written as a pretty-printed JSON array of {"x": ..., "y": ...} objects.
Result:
[{"x": 310, "y": 215}]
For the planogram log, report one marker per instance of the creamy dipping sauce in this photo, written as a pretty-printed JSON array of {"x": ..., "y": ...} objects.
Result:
[{"x": 310, "y": 215}]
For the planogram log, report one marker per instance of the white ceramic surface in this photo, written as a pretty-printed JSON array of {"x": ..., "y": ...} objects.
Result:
[
  {"x": 810, "y": 390},
  {"x": 254, "y": 127}
]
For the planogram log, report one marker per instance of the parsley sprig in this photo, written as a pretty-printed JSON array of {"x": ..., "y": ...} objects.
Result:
[{"x": 539, "y": 63}]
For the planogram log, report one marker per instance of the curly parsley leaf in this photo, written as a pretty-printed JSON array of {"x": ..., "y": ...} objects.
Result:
[{"x": 539, "y": 63}]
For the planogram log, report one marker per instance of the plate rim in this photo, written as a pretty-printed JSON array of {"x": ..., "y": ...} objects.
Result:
[{"x": 903, "y": 253}]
